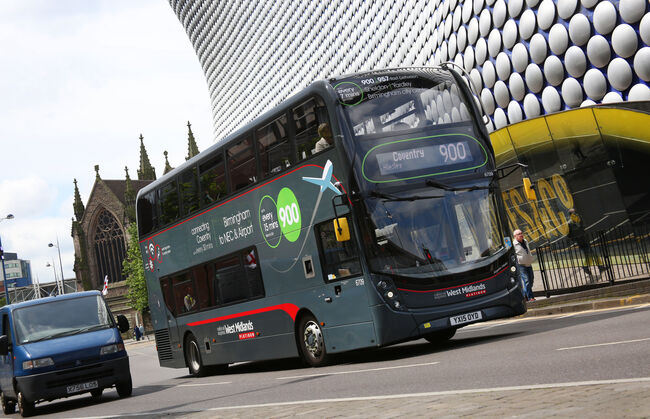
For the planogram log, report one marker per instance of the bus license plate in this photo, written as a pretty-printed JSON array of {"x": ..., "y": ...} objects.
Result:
[
  {"x": 465, "y": 318},
  {"x": 76, "y": 388}
]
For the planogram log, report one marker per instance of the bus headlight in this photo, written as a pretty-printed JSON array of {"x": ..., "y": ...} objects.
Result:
[
  {"x": 111, "y": 349},
  {"x": 513, "y": 269},
  {"x": 390, "y": 294},
  {"x": 37, "y": 363}
]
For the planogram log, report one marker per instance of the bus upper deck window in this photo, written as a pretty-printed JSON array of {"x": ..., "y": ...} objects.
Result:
[
  {"x": 212, "y": 178},
  {"x": 169, "y": 211},
  {"x": 307, "y": 117},
  {"x": 147, "y": 214},
  {"x": 189, "y": 190},
  {"x": 274, "y": 147},
  {"x": 241, "y": 164}
]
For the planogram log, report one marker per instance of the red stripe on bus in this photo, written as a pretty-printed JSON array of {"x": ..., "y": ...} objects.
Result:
[
  {"x": 457, "y": 286},
  {"x": 290, "y": 309},
  {"x": 237, "y": 197}
]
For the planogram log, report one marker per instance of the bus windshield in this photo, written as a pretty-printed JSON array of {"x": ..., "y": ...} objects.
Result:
[
  {"x": 424, "y": 173},
  {"x": 435, "y": 233},
  {"x": 61, "y": 318}
]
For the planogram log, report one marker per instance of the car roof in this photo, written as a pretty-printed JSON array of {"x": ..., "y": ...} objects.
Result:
[{"x": 50, "y": 299}]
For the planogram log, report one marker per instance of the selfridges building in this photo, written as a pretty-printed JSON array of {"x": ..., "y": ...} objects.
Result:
[{"x": 564, "y": 82}]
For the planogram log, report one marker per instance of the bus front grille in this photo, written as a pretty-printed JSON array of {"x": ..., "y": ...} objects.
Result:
[{"x": 163, "y": 345}]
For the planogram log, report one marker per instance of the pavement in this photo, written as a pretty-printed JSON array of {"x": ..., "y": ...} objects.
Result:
[{"x": 627, "y": 398}]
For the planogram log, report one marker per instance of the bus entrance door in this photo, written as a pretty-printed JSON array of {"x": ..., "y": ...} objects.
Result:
[{"x": 348, "y": 321}]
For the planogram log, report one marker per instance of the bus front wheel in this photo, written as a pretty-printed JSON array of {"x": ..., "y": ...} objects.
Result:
[
  {"x": 311, "y": 342},
  {"x": 193, "y": 357},
  {"x": 441, "y": 336}
]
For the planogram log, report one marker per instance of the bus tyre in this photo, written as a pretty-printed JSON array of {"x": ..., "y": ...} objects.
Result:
[
  {"x": 193, "y": 357},
  {"x": 8, "y": 406},
  {"x": 124, "y": 388},
  {"x": 25, "y": 407},
  {"x": 440, "y": 336},
  {"x": 311, "y": 342}
]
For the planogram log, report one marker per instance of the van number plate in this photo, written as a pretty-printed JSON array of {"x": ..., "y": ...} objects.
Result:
[
  {"x": 76, "y": 388},
  {"x": 465, "y": 318}
]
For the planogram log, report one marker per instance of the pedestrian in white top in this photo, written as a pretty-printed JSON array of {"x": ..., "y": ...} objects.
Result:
[{"x": 525, "y": 260}]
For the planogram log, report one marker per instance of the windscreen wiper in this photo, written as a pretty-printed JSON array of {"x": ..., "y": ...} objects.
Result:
[
  {"x": 435, "y": 184},
  {"x": 393, "y": 198}
]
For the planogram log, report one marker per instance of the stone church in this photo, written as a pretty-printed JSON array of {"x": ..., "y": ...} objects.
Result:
[{"x": 99, "y": 228}]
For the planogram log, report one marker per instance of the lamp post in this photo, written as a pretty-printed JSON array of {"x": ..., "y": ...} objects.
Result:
[
  {"x": 56, "y": 278},
  {"x": 62, "y": 290},
  {"x": 2, "y": 258}
]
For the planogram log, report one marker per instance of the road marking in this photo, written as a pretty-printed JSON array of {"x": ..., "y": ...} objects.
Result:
[
  {"x": 443, "y": 393},
  {"x": 412, "y": 395},
  {"x": 204, "y": 384},
  {"x": 603, "y": 344},
  {"x": 357, "y": 371}
]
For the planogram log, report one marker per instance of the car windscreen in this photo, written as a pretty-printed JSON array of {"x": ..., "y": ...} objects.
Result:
[{"x": 61, "y": 318}]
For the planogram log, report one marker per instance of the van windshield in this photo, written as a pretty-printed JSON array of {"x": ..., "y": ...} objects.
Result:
[{"x": 61, "y": 318}]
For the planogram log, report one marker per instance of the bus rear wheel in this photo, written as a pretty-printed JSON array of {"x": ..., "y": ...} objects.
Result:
[
  {"x": 440, "y": 336},
  {"x": 311, "y": 342},
  {"x": 193, "y": 357}
]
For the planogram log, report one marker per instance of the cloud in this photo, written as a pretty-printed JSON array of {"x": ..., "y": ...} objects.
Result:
[
  {"x": 26, "y": 197},
  {"x": 80, "y": 81}
]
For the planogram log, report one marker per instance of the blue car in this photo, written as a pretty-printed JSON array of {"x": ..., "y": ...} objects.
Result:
[{"x": 58, "y": 347}]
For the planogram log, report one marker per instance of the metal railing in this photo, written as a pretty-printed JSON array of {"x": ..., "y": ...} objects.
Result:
[{"x": 595, "y": 259}]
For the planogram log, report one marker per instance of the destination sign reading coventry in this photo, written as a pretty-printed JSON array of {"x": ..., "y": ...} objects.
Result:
[{"x": 407, "y": 160}]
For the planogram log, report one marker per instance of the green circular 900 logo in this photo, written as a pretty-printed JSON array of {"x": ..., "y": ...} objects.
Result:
[{"x": 289, "y": 214}]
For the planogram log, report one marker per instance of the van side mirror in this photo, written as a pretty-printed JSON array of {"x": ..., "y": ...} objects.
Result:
[
  {"x": 528, "y": 190},
  {"x": 341, "y": 229},
  {"x": 4, "y": 345},
  {"x": 122, "y": 323}
]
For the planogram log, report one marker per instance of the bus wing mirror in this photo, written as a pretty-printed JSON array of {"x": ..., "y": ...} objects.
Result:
[
  {"x": 528, "y": 190},
  {"x": 341, "y": 229},
  {"x": 122, "y": 323},
  {"x": 4, "y": 345}
]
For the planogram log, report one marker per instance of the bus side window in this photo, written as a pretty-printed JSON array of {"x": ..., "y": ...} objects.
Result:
[
  {"x": 230, "y": 280},
  {"x": 307, "y": 117},
  {"x": 203, "y": 285},
  {"x": 147, "y": 214},
  {"x": 241, "y": 164},
  {"x": 169, "y": 211},
  {"x": 338, "y": 259},
  {"x": 253, "y": 274},
  {"x": 274, "y": 147},
  {"x": 168, "y": 295},
  {"x": 212, "y": 175},
  {"x": 185, "y": 298},
  {"x": 189, "y": 190}
]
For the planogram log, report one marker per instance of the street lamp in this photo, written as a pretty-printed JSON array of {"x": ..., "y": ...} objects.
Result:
[
  {"x": 4, "y": 274},
  {"x": 62, "y": 290},
  {"x": 56, "y": 278}
]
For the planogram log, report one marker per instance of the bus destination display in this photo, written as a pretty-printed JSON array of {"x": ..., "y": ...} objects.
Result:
[{"x": 418, "y": 158}]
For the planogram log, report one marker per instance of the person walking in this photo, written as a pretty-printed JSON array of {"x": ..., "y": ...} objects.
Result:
[{"x": 525, "y": 260}]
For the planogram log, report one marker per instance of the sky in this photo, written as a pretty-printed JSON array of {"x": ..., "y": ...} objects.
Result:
[{"x": 80, "y": 80}]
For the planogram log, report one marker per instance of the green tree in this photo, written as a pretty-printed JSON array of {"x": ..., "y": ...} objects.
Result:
[{"x": 134, "y": 271}]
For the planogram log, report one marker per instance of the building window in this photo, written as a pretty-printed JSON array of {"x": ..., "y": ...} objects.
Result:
[{"x": 110, "y": 249}]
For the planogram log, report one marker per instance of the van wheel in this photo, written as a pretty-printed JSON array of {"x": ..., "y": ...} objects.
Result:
[
  {"x": 440, "y": 336},
  {"x": 8, "y": 406},
  {"x": 311, "y": 342},
  {"x": 125, "y": 388},
  {"x": 25, "y": 407},
  {"x": 193, "y": 357}
]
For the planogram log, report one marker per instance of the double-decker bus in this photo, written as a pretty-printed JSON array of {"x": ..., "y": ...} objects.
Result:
[{"x": 280, "y": 241}]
